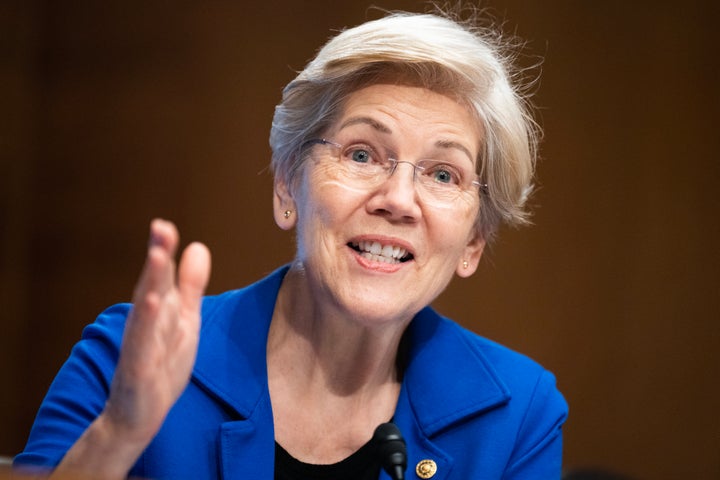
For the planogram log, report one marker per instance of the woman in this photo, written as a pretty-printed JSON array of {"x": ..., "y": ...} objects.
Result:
[{"x": 397, "y": 153}]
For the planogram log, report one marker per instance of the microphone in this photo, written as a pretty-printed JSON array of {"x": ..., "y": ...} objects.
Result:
[{"x": 390, "y": 449}]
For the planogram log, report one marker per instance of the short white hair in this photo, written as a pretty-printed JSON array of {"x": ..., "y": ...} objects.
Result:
[{"x": 454, "y": 58}]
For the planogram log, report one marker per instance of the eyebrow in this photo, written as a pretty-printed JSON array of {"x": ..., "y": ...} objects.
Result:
[
  {"x": 382, "y": 128},
  {"x": 452, "y": 144}
]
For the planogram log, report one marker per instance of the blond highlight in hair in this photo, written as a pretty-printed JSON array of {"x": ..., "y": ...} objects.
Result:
[{"x": 458, "y": 59}]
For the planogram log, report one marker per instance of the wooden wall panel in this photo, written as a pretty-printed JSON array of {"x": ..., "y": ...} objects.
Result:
[{"x": 117, "y": 112}]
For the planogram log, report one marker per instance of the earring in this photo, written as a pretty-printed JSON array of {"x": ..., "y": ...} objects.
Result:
[
  {"x": 287, "y": 213},
  {"x": 465, "y": 264}
]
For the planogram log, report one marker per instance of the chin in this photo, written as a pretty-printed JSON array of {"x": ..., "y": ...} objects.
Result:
[{"x": 380, "y": 310}]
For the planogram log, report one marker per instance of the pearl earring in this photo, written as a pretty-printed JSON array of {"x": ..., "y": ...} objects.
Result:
[
  {"x": 287, "y": 213},
  {"x": 465, "y": 264}
]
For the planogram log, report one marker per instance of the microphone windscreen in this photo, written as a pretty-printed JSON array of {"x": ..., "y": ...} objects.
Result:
[{"x": 391, "y": 450}]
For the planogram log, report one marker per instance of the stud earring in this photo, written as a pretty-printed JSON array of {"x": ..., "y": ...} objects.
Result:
[
  {"x": 465, "y": 264},
  {"x": 287, "y": 213}
]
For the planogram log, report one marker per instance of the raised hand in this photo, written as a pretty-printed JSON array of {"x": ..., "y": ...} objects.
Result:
[
  {"x": 156, "y": 358},
  {"x": 161, "y": 335}
]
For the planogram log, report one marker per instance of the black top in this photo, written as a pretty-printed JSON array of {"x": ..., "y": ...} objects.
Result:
[{"x": 361, "y": 465}]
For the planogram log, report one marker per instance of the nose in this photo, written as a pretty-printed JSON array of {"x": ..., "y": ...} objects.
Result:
[{"x": 396, "y": 197}]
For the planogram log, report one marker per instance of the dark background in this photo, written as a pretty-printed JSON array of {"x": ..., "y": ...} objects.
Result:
[{"x": 116, "y": 112}]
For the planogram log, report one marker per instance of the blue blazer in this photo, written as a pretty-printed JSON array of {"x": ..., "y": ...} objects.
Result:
[{"x": 475, "y": 408}]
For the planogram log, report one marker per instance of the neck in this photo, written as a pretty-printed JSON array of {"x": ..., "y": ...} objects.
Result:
[
  {"x": 332, "y": 378},
  {"x": 325, "y": 346}
]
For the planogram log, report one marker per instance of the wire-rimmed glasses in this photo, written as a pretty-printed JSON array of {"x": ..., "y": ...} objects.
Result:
[{"x": 443, "y": 182}]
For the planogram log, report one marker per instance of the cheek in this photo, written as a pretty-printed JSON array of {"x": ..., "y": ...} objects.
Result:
[
  {"x": 328, "y": 197},
  {"x": 324, "y": 206},
  {"x": 451, "y": 230},
  {"x": 330, "y": 184}
]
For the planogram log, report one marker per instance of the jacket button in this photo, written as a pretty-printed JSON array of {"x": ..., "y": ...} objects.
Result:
[{"x": 426, "y": 468}]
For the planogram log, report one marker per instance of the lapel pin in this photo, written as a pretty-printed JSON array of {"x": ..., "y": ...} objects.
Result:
[{"x": 426, "y": 468}]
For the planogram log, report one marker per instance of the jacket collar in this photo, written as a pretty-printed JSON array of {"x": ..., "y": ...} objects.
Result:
[
  {"x": 231, "y": 361},
  {"x": 447, "y": 379}
]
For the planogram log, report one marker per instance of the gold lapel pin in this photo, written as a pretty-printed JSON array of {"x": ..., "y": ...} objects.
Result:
[{"x": 426, "y": 468}]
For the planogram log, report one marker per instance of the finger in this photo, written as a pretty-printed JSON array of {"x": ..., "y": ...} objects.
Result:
[
  {"x": 164, "y": 239},
  {"x": 193, "y": 276},
  {"x": 158, "y": 273},
  {"x": 165, "y": 235}
]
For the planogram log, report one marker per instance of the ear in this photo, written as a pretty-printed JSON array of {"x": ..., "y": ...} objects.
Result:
[
  {"x": 283, "y": 203},
  {"x": 472, "y": 254}
]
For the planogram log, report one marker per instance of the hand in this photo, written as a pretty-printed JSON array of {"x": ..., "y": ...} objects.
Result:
[
  {"x": 161, "y": 337},
  {"x": 156, "y": 359}
]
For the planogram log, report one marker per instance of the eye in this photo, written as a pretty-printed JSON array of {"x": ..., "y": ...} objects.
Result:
[
  {"x": 360, "y": 155},
  {"x": 443, "y": 174}
]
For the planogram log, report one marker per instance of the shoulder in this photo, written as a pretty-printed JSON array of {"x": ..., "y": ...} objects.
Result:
[
  {"x": 525, "y": 379},
  {"x": 254, "y": 299},
  {"x": 442, "y": 341},
  {"x": 109, "y": 325},
  {"x": 474, "y": 376},
  {"x": 517, "y": 370},
  {"x": 483, "y": 401}
]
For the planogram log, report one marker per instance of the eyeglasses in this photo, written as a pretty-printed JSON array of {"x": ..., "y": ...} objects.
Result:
[{"x": 442, "y": 182}]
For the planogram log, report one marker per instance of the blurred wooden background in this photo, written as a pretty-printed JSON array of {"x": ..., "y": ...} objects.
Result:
[{"x": 117, "y": 112}]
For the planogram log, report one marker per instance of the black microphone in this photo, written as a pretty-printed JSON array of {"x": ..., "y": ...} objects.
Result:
[{"x": 390, "y": 449}]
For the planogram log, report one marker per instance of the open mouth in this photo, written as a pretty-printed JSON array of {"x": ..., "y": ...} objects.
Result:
[{"x": 377, "y": 252}]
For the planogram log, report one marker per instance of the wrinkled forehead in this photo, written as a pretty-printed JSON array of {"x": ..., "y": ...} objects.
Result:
[{"x": 409, "y": 113}]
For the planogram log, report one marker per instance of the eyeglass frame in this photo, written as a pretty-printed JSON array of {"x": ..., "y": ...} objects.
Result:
[{"x": 482, "y": 187}]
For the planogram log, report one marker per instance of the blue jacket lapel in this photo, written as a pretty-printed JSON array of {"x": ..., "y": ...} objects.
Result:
[
  {"x": 231, "y": 366},
  {"x": 447, "y": 381}
]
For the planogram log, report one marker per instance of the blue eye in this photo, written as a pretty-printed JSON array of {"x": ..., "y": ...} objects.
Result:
[
  {"x": 441, "y": 173},
  {"x": 443, "y": 176},
  {"x": 360, "y": 156}
]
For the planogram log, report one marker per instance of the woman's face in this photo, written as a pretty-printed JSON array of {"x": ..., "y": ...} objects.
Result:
[{"x": 342, "y": 222}]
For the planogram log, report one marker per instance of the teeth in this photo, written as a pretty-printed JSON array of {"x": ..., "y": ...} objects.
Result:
[
  {"x": 378, "y": 258},
  {"x": 377, "y": 252}
]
